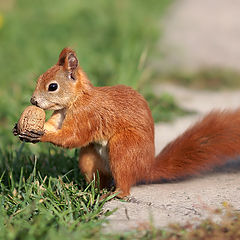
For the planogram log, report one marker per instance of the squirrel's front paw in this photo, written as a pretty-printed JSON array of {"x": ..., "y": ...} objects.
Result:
[
  {"x": 27, "y": 136},
  {"x": 15, "y": 130},
  {"x": 31, "y": 136}
]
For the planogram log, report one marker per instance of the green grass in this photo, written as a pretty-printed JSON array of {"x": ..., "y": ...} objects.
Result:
[
  {"x": 164, "y": 107},
  {"x": 46, "y": 197},
  {"x": 206, "y": 78}
]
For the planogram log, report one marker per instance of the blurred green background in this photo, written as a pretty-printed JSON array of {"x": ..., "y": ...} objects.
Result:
[{"x": 115, "y": 41}]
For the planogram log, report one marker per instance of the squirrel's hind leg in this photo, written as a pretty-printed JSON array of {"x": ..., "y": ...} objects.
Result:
[
  {"x": 91, "y": 164},
  {"x": 131, "y": 154}
]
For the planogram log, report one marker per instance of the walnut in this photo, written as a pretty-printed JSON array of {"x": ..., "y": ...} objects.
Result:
[{"x": 32, "y": 119}]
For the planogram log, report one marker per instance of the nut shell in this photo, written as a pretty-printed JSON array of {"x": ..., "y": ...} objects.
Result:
[{"x": 32, "y": 119}]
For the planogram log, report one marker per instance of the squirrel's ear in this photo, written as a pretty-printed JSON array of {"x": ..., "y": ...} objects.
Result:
[{"x": 68, "y": 59}]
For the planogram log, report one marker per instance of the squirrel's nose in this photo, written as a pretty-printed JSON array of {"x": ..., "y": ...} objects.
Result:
[{"x": 34, "y": 101}]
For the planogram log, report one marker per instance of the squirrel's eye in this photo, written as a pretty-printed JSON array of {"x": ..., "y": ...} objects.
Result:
[{"x": 52, "y": 87}]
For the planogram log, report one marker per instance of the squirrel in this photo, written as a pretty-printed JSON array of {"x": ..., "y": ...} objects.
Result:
[{"x": 114, "y": 128}]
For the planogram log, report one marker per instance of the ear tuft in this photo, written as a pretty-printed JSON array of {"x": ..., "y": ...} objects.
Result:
[{"x": 68, "y": 59}]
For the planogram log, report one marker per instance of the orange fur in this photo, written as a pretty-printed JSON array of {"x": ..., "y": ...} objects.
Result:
[
  {"x": 210, "y": 142},
  {"x": 116, "y": 120}
]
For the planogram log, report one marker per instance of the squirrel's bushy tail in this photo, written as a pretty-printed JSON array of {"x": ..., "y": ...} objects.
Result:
[{"x": 210, "y": 142}]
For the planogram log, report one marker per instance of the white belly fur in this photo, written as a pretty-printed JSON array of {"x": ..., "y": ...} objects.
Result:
[{"x": 102, "y": 150}]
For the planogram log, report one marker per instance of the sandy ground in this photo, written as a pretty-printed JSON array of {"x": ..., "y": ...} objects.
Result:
[
  {"x": 185, "y": 200},
  {"x": 196, "y": 34}
]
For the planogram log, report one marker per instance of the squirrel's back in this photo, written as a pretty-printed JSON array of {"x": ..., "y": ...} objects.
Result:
[{"x": 125, "y": 107}]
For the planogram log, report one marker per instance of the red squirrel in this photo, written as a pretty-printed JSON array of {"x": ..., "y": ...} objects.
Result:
[{"x": 114, "y": 128}]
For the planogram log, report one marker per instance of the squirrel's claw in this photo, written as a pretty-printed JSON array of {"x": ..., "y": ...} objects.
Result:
[
  {"x": 34, "y": 134},
  {"x": 30, "y": 136},
  {"x": 27, "y": 138},
  {"x": 15, "y": 130}
]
